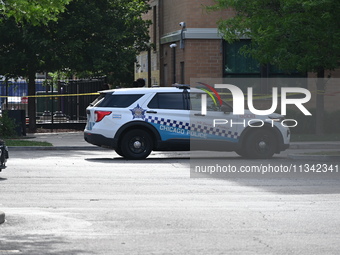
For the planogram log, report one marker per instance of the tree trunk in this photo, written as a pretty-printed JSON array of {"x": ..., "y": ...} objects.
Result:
[
  {"x": 31, "y": 102},
  {"x": 320, "y": 87}
]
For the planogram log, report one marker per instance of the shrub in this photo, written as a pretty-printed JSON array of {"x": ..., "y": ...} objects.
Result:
[
  {"x": 7, "y": 126},
  {"x": 307, "y": 124}
]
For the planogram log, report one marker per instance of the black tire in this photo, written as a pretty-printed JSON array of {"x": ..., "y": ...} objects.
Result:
[
  {"x": 241, "y": 153},
  {"x": 260, "y": 144},
  {"x": 119, "y": 151},
  {"x": 136, "y": 144}
]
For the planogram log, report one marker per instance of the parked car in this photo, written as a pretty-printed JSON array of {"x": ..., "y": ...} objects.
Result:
[
  {"x": 136, "y": 121},
  {"x": 3, "y": 155}
]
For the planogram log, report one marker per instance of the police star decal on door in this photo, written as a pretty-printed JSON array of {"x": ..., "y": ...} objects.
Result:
[{"x": 138, "y": 112}]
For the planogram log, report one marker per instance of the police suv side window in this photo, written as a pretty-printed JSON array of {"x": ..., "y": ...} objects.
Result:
[
  {"x": 174, "y": 101},
  {"x": 119, "y": 101},
  {"x": 98, "y": 99},
  {"x": 212, "y": 103}
]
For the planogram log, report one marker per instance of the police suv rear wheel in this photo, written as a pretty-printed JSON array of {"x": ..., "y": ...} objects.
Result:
[
  {"x": 261, "y": 144},
  {"x": 136, "y": 144}
]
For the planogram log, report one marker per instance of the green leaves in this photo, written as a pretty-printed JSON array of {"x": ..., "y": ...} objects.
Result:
[
  {"x": 291, "y": 34},
  {"x": 98, "y": 37},
  {"x": 34, "y": 11},
  {"x": 7, "y": 126}
]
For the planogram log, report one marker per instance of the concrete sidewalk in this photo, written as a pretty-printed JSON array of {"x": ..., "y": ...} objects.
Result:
[
  {"x": 59, "y": 141},
  {"x": 64, "y": 139},
  {"x": 315, "y": 145}
]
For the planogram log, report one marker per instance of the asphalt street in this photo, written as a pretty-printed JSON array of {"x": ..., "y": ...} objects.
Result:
[{"x": 95, "y": 202}]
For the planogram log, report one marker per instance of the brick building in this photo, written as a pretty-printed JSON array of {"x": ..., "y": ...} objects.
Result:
[
  {"x": 195, "y": 49},
  {"x": 196, "y": 46}
]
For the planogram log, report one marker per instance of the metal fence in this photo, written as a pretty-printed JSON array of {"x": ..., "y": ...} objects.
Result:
[{"x": 66, "y": 102}]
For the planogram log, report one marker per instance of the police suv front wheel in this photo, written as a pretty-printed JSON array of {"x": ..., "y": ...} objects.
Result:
[
  {"x": 119, "y": 151},
  {"x": 260, "y": 144},
  {"x": 241, "y": 153},
  {"x": 136, "y": 144}
]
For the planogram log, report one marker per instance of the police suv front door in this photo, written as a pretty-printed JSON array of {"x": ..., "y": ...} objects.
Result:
[
  {"x": 168, "y": 112},
  {"x": 215, "y": 129}
]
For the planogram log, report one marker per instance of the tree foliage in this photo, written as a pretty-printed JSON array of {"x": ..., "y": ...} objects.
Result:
[
  {"x": 291, "y": 34},
  {"x": 33, "y": 11},
  {"x": 102, "y": 36},
  {"x": 7, "y": 126},
  {"x": 98, "y": 37}
]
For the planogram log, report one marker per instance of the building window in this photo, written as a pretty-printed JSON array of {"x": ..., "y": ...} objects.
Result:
[
  {"x": 236, "y": 64},
  {"x": 182, "y": 73},
  {"x": 154, "y": 25},
  {"x": 165, "y": 75}
]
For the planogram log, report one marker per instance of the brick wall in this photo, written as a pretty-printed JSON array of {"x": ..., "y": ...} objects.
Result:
[
  {"x": 202, "y": 58},
  {"x": 192, "y": 12}
]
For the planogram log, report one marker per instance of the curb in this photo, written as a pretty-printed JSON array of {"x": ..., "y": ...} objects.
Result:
[
  {"x": 314, "y": 157},
  {"x": 314, "y": 146},
  {"x": 2, "y": 217},
  {"x": 52, "y": 148}
]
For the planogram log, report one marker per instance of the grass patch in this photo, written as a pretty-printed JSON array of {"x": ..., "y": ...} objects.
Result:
[
  {"x": 18, "y": 142},
  {"x": 314, "y": 138}
]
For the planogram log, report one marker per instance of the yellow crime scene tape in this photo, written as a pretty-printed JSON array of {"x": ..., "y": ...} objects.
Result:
[
  {"x": 57, "y": 95},
  {"x": 256, "y": 96}
]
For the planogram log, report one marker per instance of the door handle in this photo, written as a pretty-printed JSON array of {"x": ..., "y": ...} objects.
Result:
[{"x": 151, "y": 112}]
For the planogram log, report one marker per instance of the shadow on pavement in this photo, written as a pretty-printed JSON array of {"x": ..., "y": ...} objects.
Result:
[
  {"x": 36, "y": 244},
  {"x": 277, "y": 175}
]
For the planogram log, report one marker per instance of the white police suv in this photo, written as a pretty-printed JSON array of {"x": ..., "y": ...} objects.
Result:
[{"x": 136, "y": 121}]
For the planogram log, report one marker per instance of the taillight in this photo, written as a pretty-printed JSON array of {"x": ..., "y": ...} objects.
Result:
[{"x": 99, "y": 115}]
